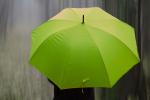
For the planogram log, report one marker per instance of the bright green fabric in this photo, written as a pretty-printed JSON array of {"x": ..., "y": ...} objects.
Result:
[{"x": 74, "y": 55}]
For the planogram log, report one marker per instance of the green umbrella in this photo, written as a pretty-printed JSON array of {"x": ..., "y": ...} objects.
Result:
[{"x": 83, "y": 47}]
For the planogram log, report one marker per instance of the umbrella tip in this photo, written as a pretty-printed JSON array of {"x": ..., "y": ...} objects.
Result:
[{"x": 83, "y": 19}]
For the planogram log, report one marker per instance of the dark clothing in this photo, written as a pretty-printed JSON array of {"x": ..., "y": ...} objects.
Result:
[{"x": 73, "y": 94}]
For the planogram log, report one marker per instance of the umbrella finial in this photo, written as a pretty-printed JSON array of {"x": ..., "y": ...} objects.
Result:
[{"x": 83, "y": 19}]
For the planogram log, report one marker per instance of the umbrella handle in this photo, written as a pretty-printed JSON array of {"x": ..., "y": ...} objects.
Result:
[
  {"x": 83, "y": 83},
  {"x": 82, "y": 91}
]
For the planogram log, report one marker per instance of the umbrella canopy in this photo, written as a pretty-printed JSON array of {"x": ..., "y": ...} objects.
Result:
[{"x": 83, "y": 47}]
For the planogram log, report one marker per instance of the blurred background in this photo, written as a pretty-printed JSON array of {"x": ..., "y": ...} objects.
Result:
[{"x": 20, "y": 81}]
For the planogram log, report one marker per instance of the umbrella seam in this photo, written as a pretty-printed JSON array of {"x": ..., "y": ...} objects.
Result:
[
  {"x": 34, "y": 31},
  {"x": 74, "y": 12},
  {"x": 37, "y": 50},
  {"x": 62, "y": 20},
  {"x": 45, "y": 41},
  {"x": 100, "y": 56},
  {"x": 117, "y": 39}
]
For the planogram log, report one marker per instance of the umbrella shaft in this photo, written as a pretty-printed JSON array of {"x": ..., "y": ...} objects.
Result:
[{"x": 83, "y": 19}]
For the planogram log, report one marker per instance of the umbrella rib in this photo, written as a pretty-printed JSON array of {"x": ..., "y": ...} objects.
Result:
[
  {"x": 62, "y": 20},
  {"x": 100, "y": 55},
  {"x": 45, "y": 41},
  {"x": 70, "y": 9},
  {"x": 74, "y": 12},
  {"x": 116, "y": 39}
]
